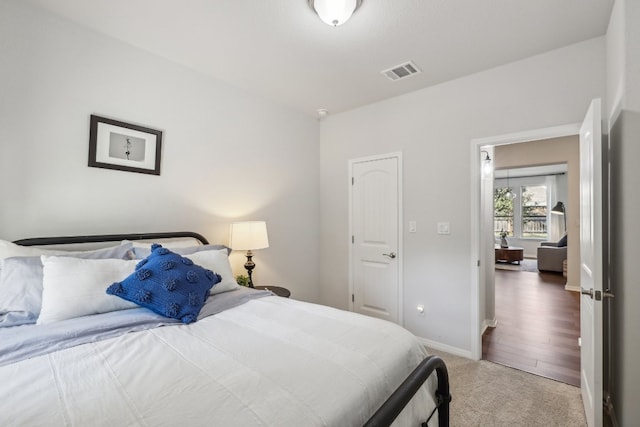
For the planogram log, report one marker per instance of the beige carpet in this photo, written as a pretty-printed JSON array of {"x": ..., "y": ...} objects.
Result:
[{"x": 488, "y": 394}]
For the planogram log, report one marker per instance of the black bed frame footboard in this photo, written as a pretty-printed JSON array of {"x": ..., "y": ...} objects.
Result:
[{"x": 403, "y": 394}]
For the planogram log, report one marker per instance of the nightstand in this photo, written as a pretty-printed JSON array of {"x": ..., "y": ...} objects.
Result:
[{"x": 281, "y": 292}]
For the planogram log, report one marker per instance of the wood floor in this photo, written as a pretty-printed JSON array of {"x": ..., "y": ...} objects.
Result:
[{"x": 538, "y": 325}]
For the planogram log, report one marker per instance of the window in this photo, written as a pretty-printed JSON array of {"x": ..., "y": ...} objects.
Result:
[
  {"x": 524, "y": 216},
  {"x": 534, "y": 211},
  {"x": 502, "y": 212}
]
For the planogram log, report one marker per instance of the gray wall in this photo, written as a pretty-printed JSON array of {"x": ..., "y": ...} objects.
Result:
[
  {"x": 434, "y": 128},
  {"x": 226, "y": 155},
  {"x": 623, "y": 106}
]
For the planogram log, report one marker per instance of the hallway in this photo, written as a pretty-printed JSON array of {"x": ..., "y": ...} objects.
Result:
[{"x": 538, "y": 325}]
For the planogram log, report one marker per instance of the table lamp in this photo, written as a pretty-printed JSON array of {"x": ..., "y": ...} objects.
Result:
[{"x": 249, "y": 235}]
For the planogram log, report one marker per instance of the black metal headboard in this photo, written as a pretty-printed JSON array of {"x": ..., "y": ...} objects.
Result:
[{"x": 65, "y": 240}]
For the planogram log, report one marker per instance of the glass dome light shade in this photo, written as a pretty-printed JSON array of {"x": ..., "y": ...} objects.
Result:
[{"x": 334, "y": 12}]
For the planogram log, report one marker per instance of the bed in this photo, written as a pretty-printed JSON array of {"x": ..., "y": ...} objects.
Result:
[{"x": 76, "y": 355}]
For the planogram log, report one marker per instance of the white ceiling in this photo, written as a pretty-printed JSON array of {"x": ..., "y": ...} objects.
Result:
[{"x": 279, "y": 49}]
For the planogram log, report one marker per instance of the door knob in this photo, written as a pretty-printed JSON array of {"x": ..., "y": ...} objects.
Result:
[
  {"x": 587, "y": 292},
  {"x": 597, "y": 295},
  {"x": 391, "y": 255}
]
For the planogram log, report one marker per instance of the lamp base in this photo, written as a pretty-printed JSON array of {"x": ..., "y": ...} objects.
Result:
[{"x": 249, "y": 266}]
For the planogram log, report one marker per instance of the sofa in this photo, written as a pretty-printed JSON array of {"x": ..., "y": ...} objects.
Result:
[{"x": 552, "y": 254}]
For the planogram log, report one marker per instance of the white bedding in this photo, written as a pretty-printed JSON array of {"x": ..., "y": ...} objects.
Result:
[{"x": 269, "y": 362}]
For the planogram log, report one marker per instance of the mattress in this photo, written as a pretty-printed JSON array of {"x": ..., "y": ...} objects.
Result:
[{"x": 267, "y": 361}]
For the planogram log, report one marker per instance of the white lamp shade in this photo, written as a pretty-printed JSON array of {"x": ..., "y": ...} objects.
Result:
[
  {"x": 248, "y": 235},
  {"x": 334, "y": 12}
]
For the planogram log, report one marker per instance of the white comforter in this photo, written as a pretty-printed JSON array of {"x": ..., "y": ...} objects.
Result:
[{"x": 269, "y": 362}]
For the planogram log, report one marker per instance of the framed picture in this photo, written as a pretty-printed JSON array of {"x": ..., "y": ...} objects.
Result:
[{"x": 123, "y": 146}]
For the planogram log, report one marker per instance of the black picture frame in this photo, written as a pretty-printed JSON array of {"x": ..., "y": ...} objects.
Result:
[{"x": 117, "y": 145}]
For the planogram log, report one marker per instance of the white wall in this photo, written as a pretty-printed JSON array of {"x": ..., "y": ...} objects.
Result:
[
  {"x": 623, "y": 111},
  {"x": 433, "y": 128},
  {"x": 226, "y": 155}
]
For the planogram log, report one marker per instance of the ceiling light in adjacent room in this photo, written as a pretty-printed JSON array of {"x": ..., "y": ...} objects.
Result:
[
  {"x": 487, "y": 168},
  {"x": 509, "y": 194},
  {"x": 335, "y": 12}
]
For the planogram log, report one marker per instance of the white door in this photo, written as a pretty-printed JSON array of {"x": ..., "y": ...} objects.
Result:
[
  {"x": 591, "y": 263},
  {"x": 375, "y": 252}
]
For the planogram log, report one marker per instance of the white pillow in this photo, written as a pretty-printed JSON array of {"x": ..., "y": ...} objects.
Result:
[
  {"x": 9, "y": 250},
  {"x": 21, "y": 283},
  {"x": 74, "y": 287},
  {"x": 218, "y": 262},
  {"x": 170, "y": 243}
]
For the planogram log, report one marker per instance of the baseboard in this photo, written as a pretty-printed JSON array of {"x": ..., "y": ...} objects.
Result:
[
  {"x": 489, "y": 323},
  {"x": 446, "y": 348},
  {"x": 572, "y": 288}
]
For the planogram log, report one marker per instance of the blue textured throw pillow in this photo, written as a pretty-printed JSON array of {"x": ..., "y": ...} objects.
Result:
[{"x": 168, "y": 284}]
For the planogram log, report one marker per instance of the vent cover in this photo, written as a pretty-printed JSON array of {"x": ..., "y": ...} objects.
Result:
[{"x": 401, "y": 71}]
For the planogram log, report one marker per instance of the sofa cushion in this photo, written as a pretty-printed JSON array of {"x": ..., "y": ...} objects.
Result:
[{"x": 563, "y": 241}]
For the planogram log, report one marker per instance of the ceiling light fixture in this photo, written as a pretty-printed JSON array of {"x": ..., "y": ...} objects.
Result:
[
  {"x": 322, "y": 113},
  {"x": 509, "y": 194},
  {"x": 335, "y": 12}
]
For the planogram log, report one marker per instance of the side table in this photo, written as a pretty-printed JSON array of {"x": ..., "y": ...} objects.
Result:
[{"x": 281, "y": 292}]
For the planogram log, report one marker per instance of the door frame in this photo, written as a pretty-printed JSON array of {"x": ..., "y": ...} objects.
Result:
[
  {"x": 400, "y": 259},
  {"x": 477, "y": 268}
]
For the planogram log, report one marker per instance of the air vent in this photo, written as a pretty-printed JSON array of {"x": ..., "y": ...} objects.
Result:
[{"x": 401, "y": 71}]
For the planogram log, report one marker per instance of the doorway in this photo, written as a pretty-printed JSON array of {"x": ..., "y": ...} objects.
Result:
[
  {"x": 590, "y": 232},
  {"x": 536, "y": 325},
  {"x": 482, "y": 239},
  {"x": 535, "y": 320},
  {"x": 529, "y": 148}
]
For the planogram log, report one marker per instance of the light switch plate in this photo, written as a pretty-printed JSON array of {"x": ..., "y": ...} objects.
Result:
[{"x": 443, "y": 228}]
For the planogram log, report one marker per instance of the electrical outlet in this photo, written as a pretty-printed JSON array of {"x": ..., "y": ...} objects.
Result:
[
  {"x": 443, "y": 228},
  {"x": 412, "y": 227}
]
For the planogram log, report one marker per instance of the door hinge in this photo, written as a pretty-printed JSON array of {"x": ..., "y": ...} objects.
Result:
[
  {"x": 353, "y": 239},
  {"x": 353, "y": 180},
  {"x": 353, "y": 298},
  {"x": 478, "y": 263}
]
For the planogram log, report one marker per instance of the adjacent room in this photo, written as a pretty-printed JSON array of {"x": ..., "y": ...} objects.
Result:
[
  {"x": 537, "y": 310},
  {"x": 327, "y": 166}
]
